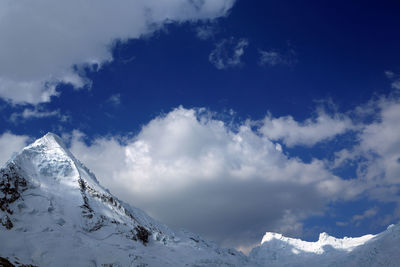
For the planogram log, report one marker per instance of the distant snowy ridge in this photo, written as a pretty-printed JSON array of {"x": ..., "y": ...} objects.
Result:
[
  {"x": 54, "y": 212},
  {"x": 370, "y": 250},
  {"x": 345, "y": 244}
]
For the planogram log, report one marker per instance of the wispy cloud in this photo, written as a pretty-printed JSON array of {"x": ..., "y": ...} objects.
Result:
[
  {"x": 365, "y": 215},
  {"x": 228, "y": 53},
  {"x": 37, "y": 112},
  {"x": 206, "y": 31},
  {"x": 359, "y": 218},
  {"x": 275, "y": 57},
  {"x": 395, "y": 79},
  {"x": 114, "y": 100}
]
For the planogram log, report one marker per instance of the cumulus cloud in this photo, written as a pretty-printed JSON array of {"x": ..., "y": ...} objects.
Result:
[
  {"x": 9, "y": 144},
  {"x": 228, "y": 53},
  {"x": 191, "y": 170},
  {"x": 309, "y": 132},
  {"x": 45, "y": 42},
  {"x": 376, "y": 157}
]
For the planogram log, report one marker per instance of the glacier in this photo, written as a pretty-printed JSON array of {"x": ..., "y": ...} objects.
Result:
[{"x": 54, "y": 212}]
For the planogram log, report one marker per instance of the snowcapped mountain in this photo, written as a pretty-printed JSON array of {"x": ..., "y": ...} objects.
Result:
[{"x": 54, "y": 212}]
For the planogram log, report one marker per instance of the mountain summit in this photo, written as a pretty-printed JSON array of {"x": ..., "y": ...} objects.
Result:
[{"x": 54, "y": 212}]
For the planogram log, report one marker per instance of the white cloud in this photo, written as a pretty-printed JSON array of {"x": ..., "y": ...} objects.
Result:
[
  {"x": 377, "y": 155},
  {"x": 228, "y": 53},
  {"x": 10, "y": 143},
  {"x": 45, "y": 42},
  {"x": 309, "y": 132},
  {"x": 237, "y": 183},
  {"x": 27, "y": 91},
  {"x": 192, "y": 171}
]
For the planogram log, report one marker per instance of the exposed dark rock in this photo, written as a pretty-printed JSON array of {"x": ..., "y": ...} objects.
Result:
[
  {"x": 142, "y": 234},
  {"x": 12, "y": 184},
  {"x": 6, "y": 222},
  {"x": 96, "y": 227},
  {"x": 195, "y": 240},
  {"x": 5, "y": 263},
  {"x": 86, "y": 209},
  {"x": 88, "y": 212},
  {"x": 139, "y": 232},
  {"x": 94, "y": 222}
]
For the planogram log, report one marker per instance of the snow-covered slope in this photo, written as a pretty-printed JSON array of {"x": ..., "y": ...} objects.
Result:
[
  {"x": 370, "y": 250},
  {"x": 53, "y": 212}
]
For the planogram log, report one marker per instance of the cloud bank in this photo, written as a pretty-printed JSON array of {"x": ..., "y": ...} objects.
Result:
[
  {"x": 231, "y": 185},
  {"x": 47, "y": 42}
]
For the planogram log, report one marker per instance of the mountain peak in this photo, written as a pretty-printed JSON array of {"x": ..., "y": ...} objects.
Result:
[
  {"x": 53, "y": 137},
  {"x": 49, "y": 140},
  {"x": 51, "y": 202}
]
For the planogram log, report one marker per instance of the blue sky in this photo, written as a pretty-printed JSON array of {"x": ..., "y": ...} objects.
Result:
[{"x": 228, "y": 118}]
